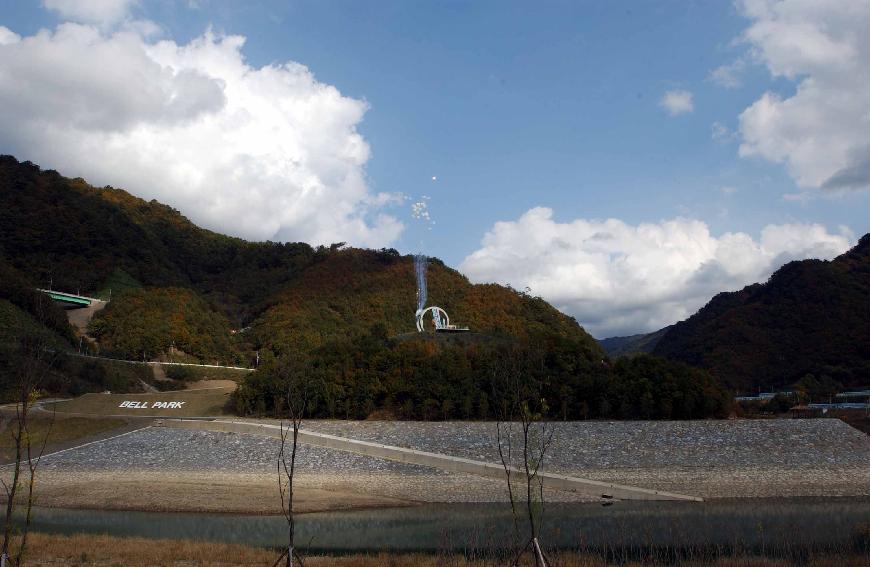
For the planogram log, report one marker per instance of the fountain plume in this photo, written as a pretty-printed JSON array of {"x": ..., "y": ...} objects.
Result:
[{"x": 420, "y": 266}]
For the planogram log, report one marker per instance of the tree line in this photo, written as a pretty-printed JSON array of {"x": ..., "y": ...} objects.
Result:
[{"x": 425, "y": 379}]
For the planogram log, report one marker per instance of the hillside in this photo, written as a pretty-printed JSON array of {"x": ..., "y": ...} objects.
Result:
[
  {"x": 81, "y": 238},
  {"x": 643, "y": 343},
  {"x": 350, "y": 290},
  {"x": 286, "y": 297},
  {"x": 28, "y": 319},
  {"x": 156, "y": 320},
  {"x": 811, "y": 317},
  {"x": 348, "y": 314}
]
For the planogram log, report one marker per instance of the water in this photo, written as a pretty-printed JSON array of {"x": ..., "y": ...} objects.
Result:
[
  {"x": 422, "y": 288},
  {"x": 741, "y": 524}
]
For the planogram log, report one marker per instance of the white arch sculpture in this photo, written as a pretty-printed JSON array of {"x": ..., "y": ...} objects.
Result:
[{"x": 439, "y": 317}]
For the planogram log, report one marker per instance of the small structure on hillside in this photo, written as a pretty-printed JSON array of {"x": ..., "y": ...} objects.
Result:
[
  {"x": 440, "y": 319},
  {"x": 70, "y": 300}
]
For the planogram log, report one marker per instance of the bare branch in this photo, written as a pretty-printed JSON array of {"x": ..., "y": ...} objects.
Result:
[
  {"x": 522, "y": 404},
  {"x": 34, "y": 362},
  {"x": 297, "y": 391}
]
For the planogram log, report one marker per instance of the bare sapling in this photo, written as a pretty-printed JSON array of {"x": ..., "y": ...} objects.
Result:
[
  {"x": 297, "y": 403},
  {"x": 504, "y": 436},
  {"x": 34, "y": 362},
  {"x": 33, "y": 459},
  {"x": 523, "y": 439},
  {"x": 537, "y": 437}
]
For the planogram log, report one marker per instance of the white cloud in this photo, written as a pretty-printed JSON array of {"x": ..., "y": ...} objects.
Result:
[
  {"x": 263, "y": 153},
  {"x": 822, "y": 131},
  {"x": 620, "y": 279},
  {"x": 677, "y": 102},
  {"x": 100, "y": 12},
  {"x": 729, "y": 75},
  {"x": 721, "y": 133},
  {"x": 8, "y": 37},
  {"x": 728, "y": 190}
]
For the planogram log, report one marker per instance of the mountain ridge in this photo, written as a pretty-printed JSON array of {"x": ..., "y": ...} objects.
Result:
[
  {"x": 810, "y": 317},
  {"x": 68, "y": 234},
  {"x": 640, "y": 343}
]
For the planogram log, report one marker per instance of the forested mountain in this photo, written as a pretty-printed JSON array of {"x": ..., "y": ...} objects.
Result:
[
  {"x": 642, "y": 343},
  {"x": 811, "y": 317},
  {"x": 348, "y": 313},
  {"x": 65, "y": 233},
  {"x": 216, "y": 298},
  {"x": 348, "y": 290},
  {"x": 76, "y": 237}
]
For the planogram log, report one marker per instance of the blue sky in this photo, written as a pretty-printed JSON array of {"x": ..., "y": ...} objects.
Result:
[{"x": 514, "y": 106}]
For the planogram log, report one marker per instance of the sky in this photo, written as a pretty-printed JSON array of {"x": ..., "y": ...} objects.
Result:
[{"x": 625, "y": 161}]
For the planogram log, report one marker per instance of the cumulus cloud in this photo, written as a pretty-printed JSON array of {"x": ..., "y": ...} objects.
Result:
[
  {"x": 730, "y": 74},
  {"x": 619, "y": 279},
  {"x": 8, "y": 37},
  {"x": 822, "y": 131},
  {"x": 677, "y": 102},
  {"x": 263, "y": 153},
  {"x": 101, "y": 12}
]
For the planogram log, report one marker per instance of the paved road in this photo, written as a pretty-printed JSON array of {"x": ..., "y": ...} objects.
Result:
[{"x": 80, "y": 318}]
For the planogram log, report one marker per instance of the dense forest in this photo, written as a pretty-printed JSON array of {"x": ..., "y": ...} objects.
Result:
[
  {"x": 811, "y": 319},
  {"x": 152, "y": 321},
  {"x": 348, "y": 290},
  {"x": 457, "y": 378}
]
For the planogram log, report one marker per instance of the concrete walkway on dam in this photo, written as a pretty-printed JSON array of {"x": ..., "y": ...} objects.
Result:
[{"x": 450, "y": 463}]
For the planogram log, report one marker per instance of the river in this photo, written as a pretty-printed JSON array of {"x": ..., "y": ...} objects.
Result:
[{"x": 812, "y": 523}]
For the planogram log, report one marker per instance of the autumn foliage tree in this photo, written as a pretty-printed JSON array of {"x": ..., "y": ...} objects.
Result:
[{"x": 426, "y": 378}]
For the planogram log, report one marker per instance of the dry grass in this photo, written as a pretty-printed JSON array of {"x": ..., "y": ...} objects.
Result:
[
  {"x": 62, "y": 431},
  {"x": 212, "y": 385},
  {"x": 170, "y": 491},
  {"x": 105, "y": 551},
  {"x": 196, "y": 403},
  {"x": 99, "y": 551}
]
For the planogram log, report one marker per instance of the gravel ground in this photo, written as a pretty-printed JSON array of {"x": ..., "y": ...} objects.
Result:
[
  {"x": 712, "y": 459},
  {"x": 188, "y": 455},
  {"x": 580, "y": 446},
  {"x": 167, "y": 449}
]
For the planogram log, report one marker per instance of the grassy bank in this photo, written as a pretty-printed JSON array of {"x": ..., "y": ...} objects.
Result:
[
  {"x": 196, "y": 403},
  {"x": 60, "y": 432},
  {"x": 105, "y": 551},
  {"x": 195, "y": 373}
]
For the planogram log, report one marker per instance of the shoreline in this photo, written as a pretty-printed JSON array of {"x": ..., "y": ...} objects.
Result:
[
  {"x": 711, "y": 530},
  {"x": 418, "y": 504},
  {"x": 231, "y": 513}
]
